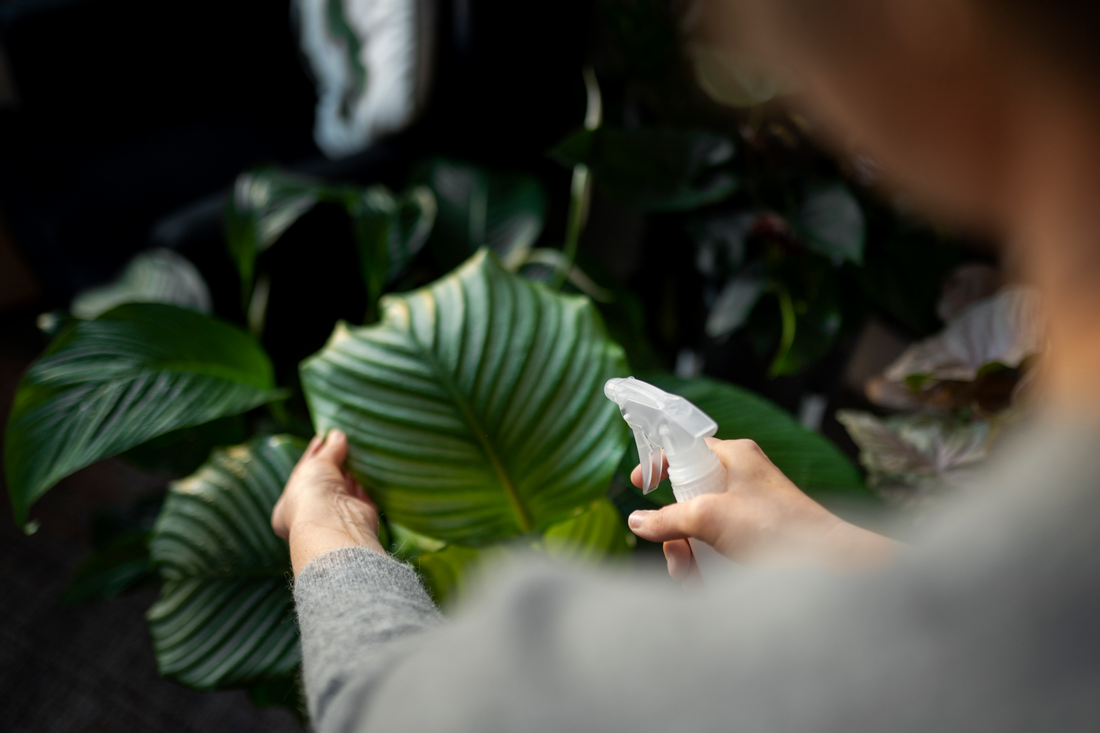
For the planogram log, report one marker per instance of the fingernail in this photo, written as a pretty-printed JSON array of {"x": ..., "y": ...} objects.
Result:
[{"x": 635, "y": 520}]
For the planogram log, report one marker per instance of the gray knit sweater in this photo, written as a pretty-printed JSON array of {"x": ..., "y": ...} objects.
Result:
[{"x": 992, "y": 623}]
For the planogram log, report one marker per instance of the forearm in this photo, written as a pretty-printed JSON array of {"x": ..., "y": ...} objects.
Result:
[
  {"x": 357, "y": 611},
  {"x": 311, "y": 538}
]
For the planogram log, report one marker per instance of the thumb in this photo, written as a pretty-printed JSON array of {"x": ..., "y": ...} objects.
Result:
[
  {"x": 335, "y": 448},
  {"x": 673, "y": 522}
]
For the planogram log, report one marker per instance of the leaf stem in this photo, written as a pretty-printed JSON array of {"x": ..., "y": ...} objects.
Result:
[{"x": 790, "y": 322}]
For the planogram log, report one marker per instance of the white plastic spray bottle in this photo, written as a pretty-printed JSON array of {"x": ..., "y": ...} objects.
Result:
[{"x": 663, "y": 421}]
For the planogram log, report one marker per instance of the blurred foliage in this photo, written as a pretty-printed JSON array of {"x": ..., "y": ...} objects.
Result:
[{"x": 473, "y": 403}]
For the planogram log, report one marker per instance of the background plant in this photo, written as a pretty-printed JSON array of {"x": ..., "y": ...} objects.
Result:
[{"x": 472, "y": 391}]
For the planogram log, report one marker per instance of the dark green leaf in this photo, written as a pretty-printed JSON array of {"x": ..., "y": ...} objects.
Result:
[
  {"x": 389, "y": 231},
  {"x": 475, "y": 408},
  {"x": 262, "y": 205},
  {"x": 136, "y": 372},
  {"x": 816, "y": 324},
  {"x": 480, "y": 207},
  {"x": 808, "y": 459},
  {"x": 832, "y": 223},
  {"x": 182, "y": 451},
  {"x": 654, "y": 169},
  {"x": 590, "y": 536},
  {"x": 120, "y": 564},
  {"x": 225, "y": 616}
]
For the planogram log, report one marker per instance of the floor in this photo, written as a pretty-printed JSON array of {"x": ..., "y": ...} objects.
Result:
[{"x": 91, "y": 667}]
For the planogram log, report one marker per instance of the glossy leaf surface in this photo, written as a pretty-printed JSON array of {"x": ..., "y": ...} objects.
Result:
[
  {"x": 225, "y": 616},
  {"x": 654, "y": 169},
  {"x": 104, "y": 386},
  {"x": 807, "y": 458},
  {"x": 475, "y": 408}
]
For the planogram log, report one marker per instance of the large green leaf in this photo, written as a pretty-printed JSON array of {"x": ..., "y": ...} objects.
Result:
[
  {"x": 475, "y": 408},
  {"x": 592, "y": 535},
  {"x": 225, "y": 616},
  {"x": 480, "y": 207},
  {"x": 654, "y": 169},
  {"x": 104, "y": 386},
  {"x": 807, "y": 458}
]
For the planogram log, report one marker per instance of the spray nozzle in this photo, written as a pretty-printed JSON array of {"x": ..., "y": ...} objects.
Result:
[{"x": 659, "y": 421}]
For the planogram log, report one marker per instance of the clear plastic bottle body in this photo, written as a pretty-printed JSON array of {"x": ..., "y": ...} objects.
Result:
[{"x": 691, "y": 478}]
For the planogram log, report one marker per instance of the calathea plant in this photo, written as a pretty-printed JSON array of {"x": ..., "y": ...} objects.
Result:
[{"x": 473, "y": 406}]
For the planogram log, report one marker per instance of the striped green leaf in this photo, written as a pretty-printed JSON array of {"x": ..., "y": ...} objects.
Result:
[
  {"x": 225, "y": 616},
  {"x": 104, "y": 386},
  {"x": 475, "y": 408}
]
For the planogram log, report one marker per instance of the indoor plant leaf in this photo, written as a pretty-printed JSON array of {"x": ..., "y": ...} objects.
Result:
[
  {"x": 104, "y": 386},
  {"x": 225, "y": 616},
  {"x": 474, "y": 409},
  {"x": 653, "y": 169},
  {"x": 807, "y": 458},
  {"x": 389, "y": 231},
  {"x": 831, "y": 222},
  {"x": 592, "y": 535},
  {"x": 480, "y": 207},
  {"x": 262, "y": 205}
]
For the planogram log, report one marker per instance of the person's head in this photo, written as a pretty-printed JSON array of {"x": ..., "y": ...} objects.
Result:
[{"x": 951, "y": 96}]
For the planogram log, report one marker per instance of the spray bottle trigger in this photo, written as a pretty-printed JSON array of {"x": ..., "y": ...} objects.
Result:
[{"x": 651, "y": 456}]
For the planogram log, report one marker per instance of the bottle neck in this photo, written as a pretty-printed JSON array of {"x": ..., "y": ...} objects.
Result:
[{"x": 696, "y": 471}]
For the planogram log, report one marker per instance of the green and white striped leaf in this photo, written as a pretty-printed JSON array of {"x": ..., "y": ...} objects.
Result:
[
  {"x": 475, "y": 408},
  {"x": 225, "y": 616},
  {"x": 104, "y": 386}
]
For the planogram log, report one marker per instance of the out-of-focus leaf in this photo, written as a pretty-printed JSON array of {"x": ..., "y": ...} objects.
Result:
[
  {"x": 136, "y": 372},
  {"x": 389, "y": 232},
  {"x": 261, "y": 206},
  {"x": 732, "y": 80},
  {"x": 474, "y": 409},
  {"x": 815, "y": 323},
  {"x": 480, "y": 207},
  {"x": 182, "y": 451},
  {"x": 654, "y": 169},
  {"x": 591, "y": 536},
  {"x": 735, "y": 302},
  {"x": 720, "y": 242},
  {"x": 1004, "y": 329},
  {"x": 156, "y": 276},
  {"x": 283, "y": 692},
  {"x": 445, "y": 572},
  {"x": 118, "y": 565},
  {"x": 225, "y": 616},
  {"x": 965, "y": 286},
  {"x": 832, "y": 223},
  {"x": 807, "y": 458},
  {"x": 919, "y": 452},
  {"x": 409, "y": 545}
]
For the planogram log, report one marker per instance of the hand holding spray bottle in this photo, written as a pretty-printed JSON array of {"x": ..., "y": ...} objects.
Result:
[{"x": 668, "y": 422}]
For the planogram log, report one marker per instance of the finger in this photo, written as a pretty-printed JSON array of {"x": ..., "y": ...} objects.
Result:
[
  {"x": 335, "y": 448},
  {"x": 636, "y": 474},
  {"x": 673, "y": 522},
  {"x": 314, "y": 446},
  {"x": 678, "y": 557}
]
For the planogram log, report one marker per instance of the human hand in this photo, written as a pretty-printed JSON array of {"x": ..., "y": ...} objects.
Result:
[
  {"x": 322, "y": 507},
  {"x": 761, "y": 519}
]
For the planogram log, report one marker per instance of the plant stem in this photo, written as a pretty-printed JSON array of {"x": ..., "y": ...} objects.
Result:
[
  {"x": 786, "y": 340},
  {"x": 580, "y": 196}
]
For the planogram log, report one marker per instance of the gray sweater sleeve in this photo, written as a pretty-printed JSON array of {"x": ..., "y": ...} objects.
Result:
[
  {"x": 357, "y": 611},
  {"x": 988, "y": 626}
]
